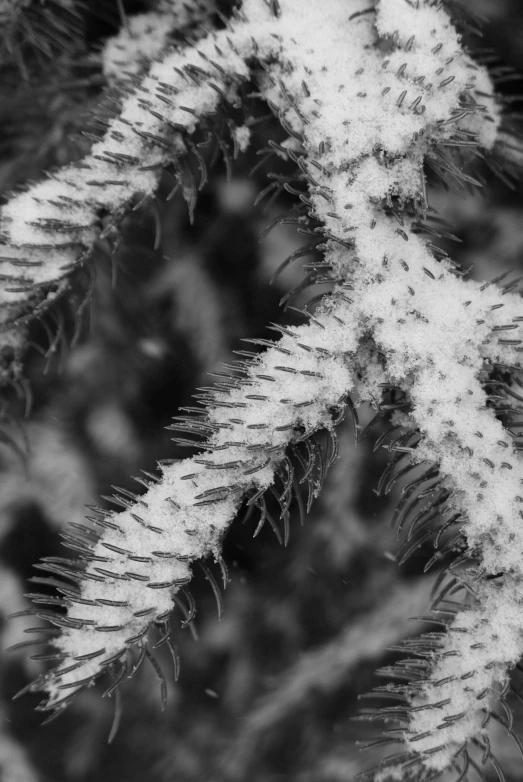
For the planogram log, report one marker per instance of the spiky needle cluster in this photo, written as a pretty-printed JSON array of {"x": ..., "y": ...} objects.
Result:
[
  {"x": 368, "y": 94},
  {"x": 45, "y": 29},
  {"x": 146, "y": 35}
]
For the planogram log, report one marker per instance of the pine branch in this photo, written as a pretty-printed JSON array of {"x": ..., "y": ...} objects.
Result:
[
  {"x": 147, "y": 35},
  {"x": 41, "y": 30},
  {"x": 49, "y": 230},
  {"x": 144, "y": 554},
  {"x": 367, "y": 95}
]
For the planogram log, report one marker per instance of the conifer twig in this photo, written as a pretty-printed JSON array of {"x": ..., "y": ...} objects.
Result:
[{"x": 367, "y": 93}]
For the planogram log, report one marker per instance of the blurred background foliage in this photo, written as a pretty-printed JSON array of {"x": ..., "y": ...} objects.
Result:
[{"x": 270, "y": 692}]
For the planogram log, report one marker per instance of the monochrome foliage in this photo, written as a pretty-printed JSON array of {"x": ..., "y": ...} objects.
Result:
[{"x": 369, "y": 98}]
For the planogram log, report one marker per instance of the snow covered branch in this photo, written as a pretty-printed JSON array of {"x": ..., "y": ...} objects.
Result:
[
  {"x": 368, "y": 94},
  {"x": 146, "y": 35},
  {"x": 50, "y": 229}
]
